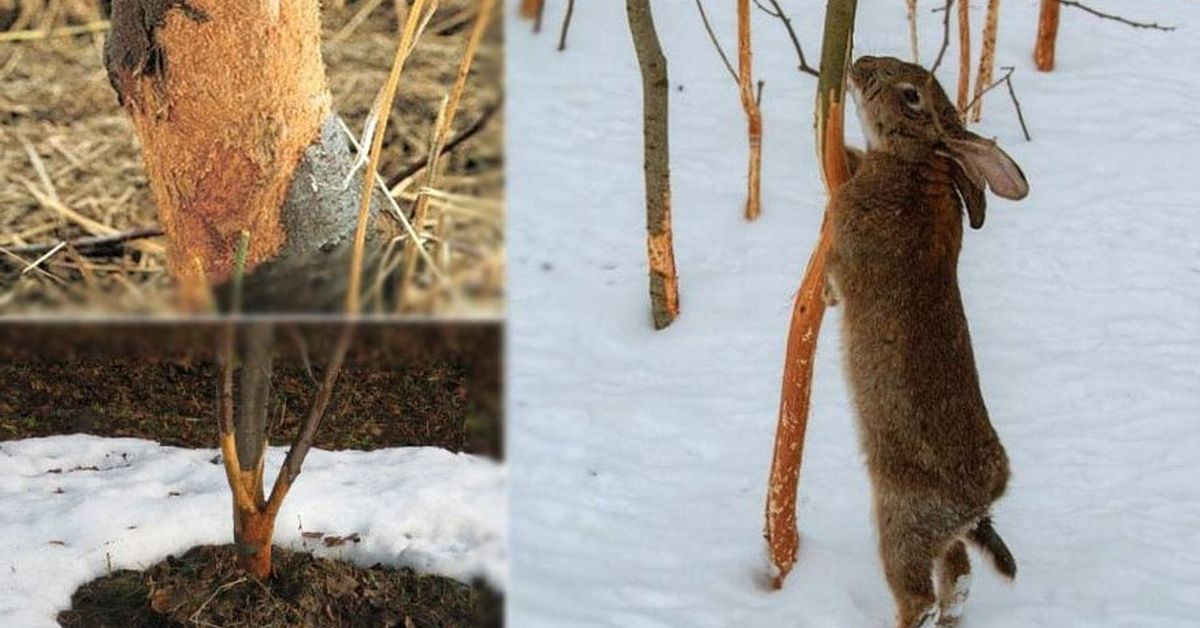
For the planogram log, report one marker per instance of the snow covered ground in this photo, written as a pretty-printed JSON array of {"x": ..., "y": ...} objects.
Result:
[
  {"x": 77, "y": 506},
  {"x": 640, "y": 457}
]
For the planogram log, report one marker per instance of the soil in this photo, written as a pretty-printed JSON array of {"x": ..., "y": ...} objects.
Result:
[
  {"x": 204, "y": 588},
  {"x": 402, "y": 385}
]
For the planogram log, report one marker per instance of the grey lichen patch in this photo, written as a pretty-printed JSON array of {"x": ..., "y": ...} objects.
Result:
[
  {"x": 312, "y": 269},
  {"x": 132, "y": 49}
]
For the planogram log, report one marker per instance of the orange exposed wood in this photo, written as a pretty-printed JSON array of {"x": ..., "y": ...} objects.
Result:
[
  {"x": 987, "y": 58},
  {"x": 224, "y": 110},
  {"x": 1047, "y": 35},
  {"x": 530, "y": 9},
  {"x": 753, "y": 113},
  {"x": 964, "y": 55},
  {"x": 782, "y": 534},
  {"x": 252, "y": 534}
]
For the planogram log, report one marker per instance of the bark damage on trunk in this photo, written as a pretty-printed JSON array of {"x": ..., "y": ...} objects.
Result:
[
  {"x": 230, "y": 103},
  {"x": 1047, "y": 35},
  {"x": 783, "y": 538},
  {"x": 664, "y": 283}
]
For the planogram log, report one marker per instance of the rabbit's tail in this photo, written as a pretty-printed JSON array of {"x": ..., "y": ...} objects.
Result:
[{"x": 984, "y": 535}]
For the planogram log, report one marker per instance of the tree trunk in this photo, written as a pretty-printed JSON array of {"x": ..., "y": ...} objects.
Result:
[
  {"x": 987, "y": 57},
  {"x": 781, "y": 532},
  {"x": 254, "y": 400},
  {"x": 912, "y": 31},
  {"x": 964, "y": 55},
  {"x": 238, "y": 135},
  {"x": 664, "y": 284},
  {"x": 252, "y": 534},
  {"x": 1047, "y": 35},
  {"x": 753, "y": 113}
]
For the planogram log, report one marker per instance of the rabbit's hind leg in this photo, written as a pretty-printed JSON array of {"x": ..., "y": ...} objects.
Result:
[
  {"x": 954, "y": 583},
  {"x": 909, "y": 551}
]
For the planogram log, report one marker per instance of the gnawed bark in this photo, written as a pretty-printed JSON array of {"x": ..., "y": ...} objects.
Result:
[
  {"x": 753, "y": 113},
  {"x": 780, "y": 530},
  {"x": 964, "y": 55},
  {"x": 987, "y": 57},
  {"x": 664, "y": 283},
  {"x": 1047, "y": 35},
  {"x": 237, "y": 135}
]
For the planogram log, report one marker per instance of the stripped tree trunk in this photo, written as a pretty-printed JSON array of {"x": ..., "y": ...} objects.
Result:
[
  {"x": 781, "y": 532},
  {"x": 664, "y": 284},
  {"x": 753, "y": 113},
  {"x": 238, "y": 135},
  {"x": 964, "y": 55},
  {"x": 912, "y": 31},
  {"x": 987, "y": 57},
  {"x": 1047, "y": 35}
]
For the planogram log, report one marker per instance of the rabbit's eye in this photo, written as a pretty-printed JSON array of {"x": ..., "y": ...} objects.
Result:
[{"x": 911, "y": 96}]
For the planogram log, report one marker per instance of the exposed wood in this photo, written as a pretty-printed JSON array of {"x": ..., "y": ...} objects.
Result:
[
  {"x": 219, "y": 164},
  {"x": 664, "y": 283},
  {"x": 530, "y": 9},
  {"x": 1047, "y": 35},
  {"x": 753, "y": 113},
  {"x": 964, "y": 55},
  {"x": 987, "y": 57},
  {"x": 913, "y": 42},
  {"x": 781, "y": 532}
]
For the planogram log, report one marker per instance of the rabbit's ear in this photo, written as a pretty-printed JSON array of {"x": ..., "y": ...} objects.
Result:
[
  {"x": 983, "y": 159},
  {"x": 970, "y": 190}
]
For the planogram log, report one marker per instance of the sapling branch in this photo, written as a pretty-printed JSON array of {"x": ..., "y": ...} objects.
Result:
[
  {"x": 304, "y": 438},
  {"x": 937, "y": 62},
  {"x": 776, "y": 11},
  {"x": 566, "y": 24}
]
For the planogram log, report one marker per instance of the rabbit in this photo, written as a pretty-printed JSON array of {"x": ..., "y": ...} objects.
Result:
[{"x": 936, "y": 464}]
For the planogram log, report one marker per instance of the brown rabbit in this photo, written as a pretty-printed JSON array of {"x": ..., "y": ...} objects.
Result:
[{"x": 936, "y": 465}]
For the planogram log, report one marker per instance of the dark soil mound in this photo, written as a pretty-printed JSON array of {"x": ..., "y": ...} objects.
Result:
[{"x": 204, "y": 588}]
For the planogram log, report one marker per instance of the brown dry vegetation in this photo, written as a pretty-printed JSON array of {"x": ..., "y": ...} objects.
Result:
[{"x": 70, "y": 167}]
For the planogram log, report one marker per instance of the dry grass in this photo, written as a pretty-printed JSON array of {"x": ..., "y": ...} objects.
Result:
[{"x": 70, "y": 168}]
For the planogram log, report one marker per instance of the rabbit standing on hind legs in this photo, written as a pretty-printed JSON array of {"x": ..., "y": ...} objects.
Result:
[{"x": 935, "y": 462}]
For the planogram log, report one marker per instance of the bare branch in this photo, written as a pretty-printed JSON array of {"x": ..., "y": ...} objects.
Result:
[
  {"x": 945, "y": 36},
  {"x": 464, "y": 135},
  {"x": 716, "y": 44},
  {"x": 562, "y": 36},
  {"x": 778, "y": 13},
  {"x": 1007, "y": 80},
  {"x": 304, "y": 438},
  {"x": 91, "y": 245},
  {"x": 1116, "y": 18}
]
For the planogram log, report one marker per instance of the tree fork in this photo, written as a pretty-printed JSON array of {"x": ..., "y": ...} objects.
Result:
[
  {"x": 780, "y": 530},
  {"x": 664, "y": 283},
  {"x": 238, "y": 135}
]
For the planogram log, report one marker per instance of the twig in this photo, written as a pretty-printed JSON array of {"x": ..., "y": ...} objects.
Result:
[
  {"x": 1006, "y": 79},
  {"x": 716, "y": 44},
  {"x": 945, "y": 37},
  {"x": 462, "y": 136},
  {"x": 303, "y": 442},
  {"x": 562, "y": 36},
  {"x": 1116, "y": 18},
  {"x": 912, "y": 31},
  {"x": 93, "y": 245},
  {"x": 778, "y": 13},
  {"x": 66, "y": 31}
]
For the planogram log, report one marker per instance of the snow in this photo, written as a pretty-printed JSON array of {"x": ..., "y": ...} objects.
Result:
[
  {"x": 641, "y": 457},
  {"x": 128, "y": 503}
]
